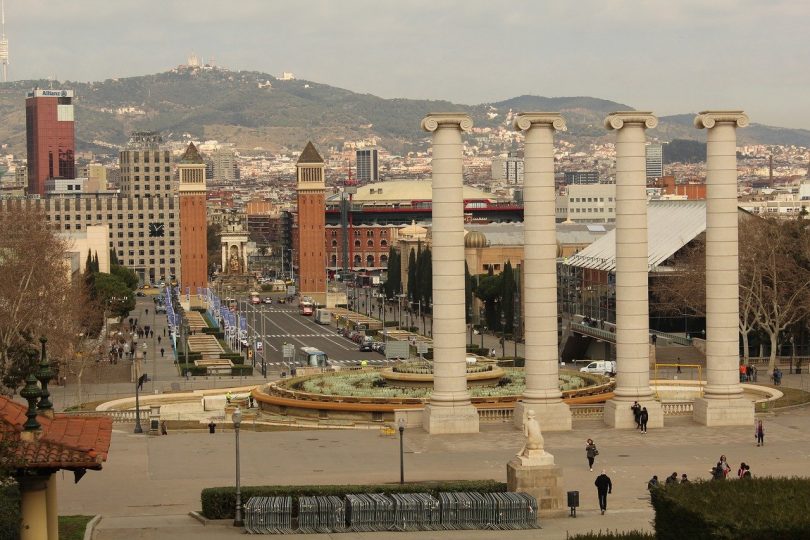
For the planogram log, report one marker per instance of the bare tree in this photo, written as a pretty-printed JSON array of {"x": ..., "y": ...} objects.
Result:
[{"x": 780, "y": 285}]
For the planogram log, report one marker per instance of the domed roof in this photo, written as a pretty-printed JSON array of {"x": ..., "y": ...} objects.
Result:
[{"x": 475, "y": 239}]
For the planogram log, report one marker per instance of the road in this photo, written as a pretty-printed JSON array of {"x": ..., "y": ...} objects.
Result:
[{"x": 281, "y": 323}]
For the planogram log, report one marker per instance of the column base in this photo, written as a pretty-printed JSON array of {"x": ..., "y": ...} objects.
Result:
[
  {"x": 736, "y": 411},
  {"x": 441, "y": 420},
  {"x": 550, "y": 416},
  {"x": 543, "y": 482},
  {"x": 619, "y": 415}
]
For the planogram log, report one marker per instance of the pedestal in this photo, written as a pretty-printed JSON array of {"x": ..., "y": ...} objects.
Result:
[
  {"x": 439, "y": 420},
  {"x": 723, "y": 412},
  {"x": 543, "y": 482},
  {"x": 619, "y": 415},
  {"x": 550, "y": 416}
]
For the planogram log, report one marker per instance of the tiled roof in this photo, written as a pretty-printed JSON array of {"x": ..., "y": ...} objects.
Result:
[
  {"x": 310, "y": 155},
  {"x": 66, "y": 441}
]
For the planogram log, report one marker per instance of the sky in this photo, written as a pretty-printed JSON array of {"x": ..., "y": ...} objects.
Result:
[{"x": 669, "y": 57}]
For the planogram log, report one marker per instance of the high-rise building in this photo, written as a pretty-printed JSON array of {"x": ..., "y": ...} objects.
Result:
[
  {"x": 193, "y": 225},
  {"x": 223, "y": 167},
  {"x": 581, "y": 177},
  {"x": 50, "y": 137},
  {"x": 146, "y": 166},
  {"x": 508, "y": 168},
  {"x": 655, "y": 160},
  {"x": 311, "y": 189},
  {"x": 368, "y": 169}
]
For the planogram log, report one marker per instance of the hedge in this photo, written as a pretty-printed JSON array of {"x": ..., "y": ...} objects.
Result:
[
  {"x": 757, "y": 509},
  {"x": 219, "y": 334},
  {"x": 219, "y": 502},
  {"x": 9, "y": 512},
  {"x": 237, "y": 371},
  {"x": 236, "y": 358},
  {"x": 194, "y": 370}
]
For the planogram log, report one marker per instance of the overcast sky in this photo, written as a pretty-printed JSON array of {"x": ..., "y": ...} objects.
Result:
[{"x": 675, "y": 56}]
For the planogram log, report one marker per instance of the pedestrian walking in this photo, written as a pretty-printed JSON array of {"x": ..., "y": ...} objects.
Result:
[
  {"x": 147, "y": 311},
  {"x": 671, "y": 479},
  {"x": 754, "y": 373},
  {"x": 759, "y": 433},
  {"x": 643, "y": 418},
  {"x": 152, "y": 334},
  {"x": 164, "y": 331},
  {"x": 603, "y": 487},
  {"x": 161, "y": 352},
  {"x": 212, "y": 427},
  {"x": 591, "y": 452},
  {"x": 636, "y": 413},
  {"x": 163, "y": 430},
  {"x": 159, "y": 340}
]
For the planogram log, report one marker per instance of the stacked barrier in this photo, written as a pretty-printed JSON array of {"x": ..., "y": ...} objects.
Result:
[
  {"x": 321, "y": 515},
  {"x": 375, "y": 512},
  {"x": 268, "y": 515}
]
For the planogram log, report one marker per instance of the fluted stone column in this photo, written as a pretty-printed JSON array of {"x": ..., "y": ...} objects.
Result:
[
  {"x": 224, "y": 258},
  {"x": 449, "y": 410},
  {"x": 542, "y": 393},
  {"x": 722, "y": 403},
  {"x": 632, "y": 295}
]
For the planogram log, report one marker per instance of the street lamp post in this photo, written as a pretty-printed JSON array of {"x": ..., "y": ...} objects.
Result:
[
  {"x": 138, "y": 428},
  {"x": 237, "y": 422},
  {"x": 401, "y": 450}
]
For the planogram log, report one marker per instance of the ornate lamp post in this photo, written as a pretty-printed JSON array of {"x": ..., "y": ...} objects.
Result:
[
  {"x": 237, "y": 422},
  {"x": 138, "y": 428},
  {"x": 401, "y": 450}
]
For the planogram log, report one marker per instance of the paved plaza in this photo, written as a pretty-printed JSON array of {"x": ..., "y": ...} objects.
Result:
[{"x": 150, "y": 484}]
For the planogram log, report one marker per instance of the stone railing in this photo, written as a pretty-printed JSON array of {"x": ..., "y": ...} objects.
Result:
[
  {"x": 582, "y": 412},
  {"x": 117, "y": 416},
  {"x": 677, "y": 408},
  {"x": 496, "y": 415}
]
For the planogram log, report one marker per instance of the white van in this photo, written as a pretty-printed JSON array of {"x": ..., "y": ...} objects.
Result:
[{"x": 601, "y": 367}]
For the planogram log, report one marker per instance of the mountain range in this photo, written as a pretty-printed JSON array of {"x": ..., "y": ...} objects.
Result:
[{"x": 256, "y": 110}]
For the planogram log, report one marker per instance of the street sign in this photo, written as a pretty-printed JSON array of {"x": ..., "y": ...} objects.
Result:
[
  {"x": 397, "y": 349},
  {"x": 288, "y": 350},
  {"x": 421, "y": 347},
  {"x": 291, "y": 290}
]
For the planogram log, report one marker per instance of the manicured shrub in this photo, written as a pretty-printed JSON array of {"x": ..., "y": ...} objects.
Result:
[
  {"x": 758, "y": 509},
  {"x": 245, "y": 371},
  {"x": 219, "y": 502},
  {"x": 236, "y": 358}
]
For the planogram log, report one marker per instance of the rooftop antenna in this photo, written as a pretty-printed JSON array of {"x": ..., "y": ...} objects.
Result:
[{"x": 3, "y": 41}]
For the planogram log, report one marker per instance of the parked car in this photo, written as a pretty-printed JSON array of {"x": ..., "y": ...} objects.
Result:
[
  {"x": 366, "y": 346},
  {"x": 268, "y": 300},
  {"x": 140, "y": 293}
]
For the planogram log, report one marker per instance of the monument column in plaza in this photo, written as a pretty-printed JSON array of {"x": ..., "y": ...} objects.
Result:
[
  {"x": 722, "y": 403},
  {"x": 632, "y": 295},
  {"x": 450, "y": 409},
  {"x": 542, "y": 393},
  {"x": 311, "y": 187}
]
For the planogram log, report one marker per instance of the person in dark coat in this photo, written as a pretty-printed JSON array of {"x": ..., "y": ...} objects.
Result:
[
  {"x": 591, "y": 452},
  {"x": 636, "y": 413},
  {"x": 603, "y": 487},
  {"x": 643, "y": 418}
]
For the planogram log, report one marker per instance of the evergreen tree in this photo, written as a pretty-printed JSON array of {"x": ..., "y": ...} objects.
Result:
[
  {"x": 113, "y": 258},
  {"x": 425, "y": 265},
  {"x": 413, "y": 283},
  {"x": 96, "y": 267},
  {"x": 508, "y": 297},
  {"x": 393, "y": 284},
  {"x": 468, "y": 295}
]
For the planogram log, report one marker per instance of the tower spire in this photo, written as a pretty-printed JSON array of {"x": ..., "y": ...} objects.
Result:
[{"x": 3, "y": 41}]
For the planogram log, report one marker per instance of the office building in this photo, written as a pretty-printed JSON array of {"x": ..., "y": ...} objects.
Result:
[
  {"x": 655, "y": 160},
  {"x": 368, "y": 169},
  {"x": 508, "y": 168},
  {"x": 146, "y": 167},
  {"x": 587, "y": 203},
  {"x": 50, "y": 137},
  {"x": 221, "y": 166},
  {"x": 581, "y": 177}
]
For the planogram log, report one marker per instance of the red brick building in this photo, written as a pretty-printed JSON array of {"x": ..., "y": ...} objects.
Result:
[
  {"x": 368, "y": 246},
  {"x": 193, "y": 222},
  {"x": 309, "y": 246}
]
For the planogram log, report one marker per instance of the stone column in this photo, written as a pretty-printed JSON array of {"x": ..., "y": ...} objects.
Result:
[
  {"x": 632, "y": 295},
  {"x": 449, "y": 410},
  {"x": 34, "y": 508},
  {"x": 53, "y": 508},
  {"x": 225, "y": 258},
  {"x": 722, "y": 403},
  {"x": 542, "y": 393}
]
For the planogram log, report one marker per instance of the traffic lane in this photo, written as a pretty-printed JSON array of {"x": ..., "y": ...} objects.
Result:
[{"x": 329, "y": 340}]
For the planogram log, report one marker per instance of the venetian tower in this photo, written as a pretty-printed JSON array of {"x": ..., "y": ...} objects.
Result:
[
  {"x": 311, "y": 221},
  {"x": 193, "y": 222}
]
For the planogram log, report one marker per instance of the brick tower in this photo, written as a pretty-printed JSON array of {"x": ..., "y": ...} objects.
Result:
[
  {"x": 193, "y": 224},
  {"x": 311, "y": 221}
]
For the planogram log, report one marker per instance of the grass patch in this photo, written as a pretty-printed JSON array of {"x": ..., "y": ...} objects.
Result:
[
  {"x": 791, "y": 398},
  {"x": 89, "y": 406},
  {"x": 617, "y": 535},
  {"x": 72, "y": 527}
]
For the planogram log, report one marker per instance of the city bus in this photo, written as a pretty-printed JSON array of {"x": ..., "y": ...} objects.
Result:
[
  {"x": 306, "y": 307},
  {"x": 255, "y": 298},
  {"x": 312, "y": 357}
]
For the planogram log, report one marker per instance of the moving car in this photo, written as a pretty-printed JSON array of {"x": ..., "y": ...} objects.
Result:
[
  {"x": 268, "y": 300},
  {"x": 600, "y": 367}
]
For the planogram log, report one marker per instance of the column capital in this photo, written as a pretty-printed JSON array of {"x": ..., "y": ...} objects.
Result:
[
  {"x": 528, "y": 120},
  {"x": 617, "y": 120},
  {"x": 460, "y": 121},
  {"x": 708, "y": 119}
]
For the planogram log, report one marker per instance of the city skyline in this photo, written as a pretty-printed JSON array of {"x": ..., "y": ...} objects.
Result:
[{"x": 670, "y": 59}]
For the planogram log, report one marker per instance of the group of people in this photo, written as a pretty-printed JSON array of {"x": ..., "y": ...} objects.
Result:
[
  {"x": 722, "y": 470},
  {"x": 641, "y": 417},
  {"x": 748, "y": 373},
  {"x": 672, "y": 479},
  {"x": 777, "y": 376}
]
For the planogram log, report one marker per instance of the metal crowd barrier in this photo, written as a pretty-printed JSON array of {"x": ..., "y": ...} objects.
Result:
[
  {"x": 321, "y": 514},
  {"x": 415, "y": 512},
  {"x": 268, "y": 515}
]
